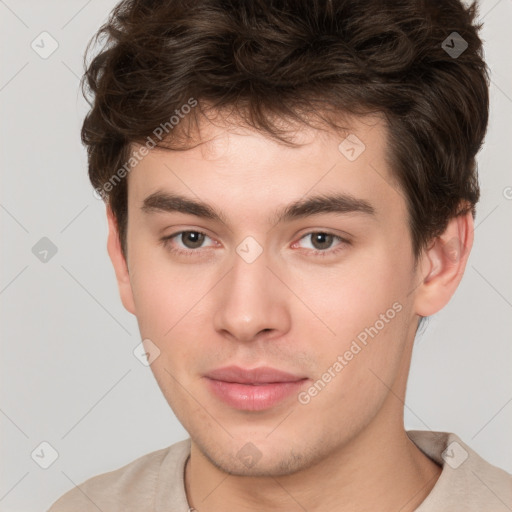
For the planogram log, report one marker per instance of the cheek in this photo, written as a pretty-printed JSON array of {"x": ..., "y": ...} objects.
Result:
[
  {"x": 171, "y": 304},
  {"x": 163, "y": 294},
  {"x": 364, "y": 307},
  {"x": 345, "y": 299},
  {"x": 356, "y": 368},
  {"x": 164, "y": 300}
]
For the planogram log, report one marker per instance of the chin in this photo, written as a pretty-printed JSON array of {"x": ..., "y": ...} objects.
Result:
[{"x": 255, "y": 458}]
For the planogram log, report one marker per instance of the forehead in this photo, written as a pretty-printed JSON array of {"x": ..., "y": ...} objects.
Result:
[{"x": 243, "y": 171}]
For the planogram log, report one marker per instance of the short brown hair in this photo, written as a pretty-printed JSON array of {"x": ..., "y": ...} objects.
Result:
[{"x": 269, "y": 60}]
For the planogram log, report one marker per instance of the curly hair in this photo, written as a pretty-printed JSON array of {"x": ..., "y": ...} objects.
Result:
[{"x": 309, "y": 61}]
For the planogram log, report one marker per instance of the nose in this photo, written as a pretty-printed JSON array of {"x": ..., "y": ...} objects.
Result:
[{"x": 251, "y": 302}]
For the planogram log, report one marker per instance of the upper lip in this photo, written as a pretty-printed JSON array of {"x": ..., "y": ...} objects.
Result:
[{"x": 261, "y": 375}]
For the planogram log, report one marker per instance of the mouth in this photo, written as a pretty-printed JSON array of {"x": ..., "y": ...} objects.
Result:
[{"x": 253, "y": 389}]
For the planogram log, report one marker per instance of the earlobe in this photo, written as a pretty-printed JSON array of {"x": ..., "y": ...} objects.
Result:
[
  {"x": 443, "y": 264},
  {"x": 118, "y": 261}
]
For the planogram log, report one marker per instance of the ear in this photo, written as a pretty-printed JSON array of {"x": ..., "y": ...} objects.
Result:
[
  {"x": 119, "y": 263},
  {"x": 443, "y": 264}
]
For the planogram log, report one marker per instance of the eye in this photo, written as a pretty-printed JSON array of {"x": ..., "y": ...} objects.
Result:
[
  {"x": 187, "y": 242},
  {"x": 322, "y": 241},
  {"x": 190, "y": 240}
]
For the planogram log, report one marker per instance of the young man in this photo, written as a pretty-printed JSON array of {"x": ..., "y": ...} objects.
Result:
[{"x": 290, "y": 189}]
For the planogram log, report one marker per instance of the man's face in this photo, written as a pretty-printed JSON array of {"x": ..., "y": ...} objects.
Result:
[{"x": 290, "y": 295}]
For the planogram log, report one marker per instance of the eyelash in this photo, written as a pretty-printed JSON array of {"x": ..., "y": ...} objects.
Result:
[{"x": 166, "y": 242}]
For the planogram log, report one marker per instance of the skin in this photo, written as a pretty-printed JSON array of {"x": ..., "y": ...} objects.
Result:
[{"x": 345, "y": 450}]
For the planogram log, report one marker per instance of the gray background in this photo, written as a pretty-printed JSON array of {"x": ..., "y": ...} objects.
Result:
[{"x": 68, "y": 373}]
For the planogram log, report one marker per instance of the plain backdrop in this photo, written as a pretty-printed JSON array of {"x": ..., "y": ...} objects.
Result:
[{"x": 68, "y": 374}]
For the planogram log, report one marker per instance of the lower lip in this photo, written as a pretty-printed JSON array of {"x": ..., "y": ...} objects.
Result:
[{"x": 248, "y": 397}]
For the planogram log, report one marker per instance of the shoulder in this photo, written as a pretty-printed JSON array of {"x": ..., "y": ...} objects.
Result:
[
  {"x": 130, "y": 487},
  {"x": 467, "y": 482}
]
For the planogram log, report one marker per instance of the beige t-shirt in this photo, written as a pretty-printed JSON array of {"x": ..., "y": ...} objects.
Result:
[{"x": 155, "y": 481}]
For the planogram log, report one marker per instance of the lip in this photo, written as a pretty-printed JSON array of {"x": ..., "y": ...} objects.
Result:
[
  {"x": 254, "y": 389},
  {"x": 260, "y": 375}
]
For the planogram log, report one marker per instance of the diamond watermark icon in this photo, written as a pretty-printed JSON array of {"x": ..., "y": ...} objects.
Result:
[
  {"x": 454, "y": 249},
  {"x": 44, "y": 45},
  {"x": 454, "y": 45},
  {"x": 454, "y": 455},
  {"x": 44, "y": 250},
  {"x": 44, "y": 455},
  {"x": 249, "y": 249},
  {"x": 351, "y": 147},
  {"x": 146, "y": 352},
  {"x": 249, "y": 455}
]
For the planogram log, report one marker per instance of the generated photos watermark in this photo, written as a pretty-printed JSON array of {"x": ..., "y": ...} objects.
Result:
[
  {"x": 357, "y": 345},
  {"x": 159, "y": 133}
]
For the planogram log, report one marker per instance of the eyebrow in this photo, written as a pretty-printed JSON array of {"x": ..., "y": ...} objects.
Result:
[{"x": 340, "y": 203}]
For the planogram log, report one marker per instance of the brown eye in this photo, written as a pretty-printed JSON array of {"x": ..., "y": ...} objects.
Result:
[
  {"x": 192, "y": 239},
  {"x": 321, "y": 241},
  {"x": 188, "y": 243}
]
